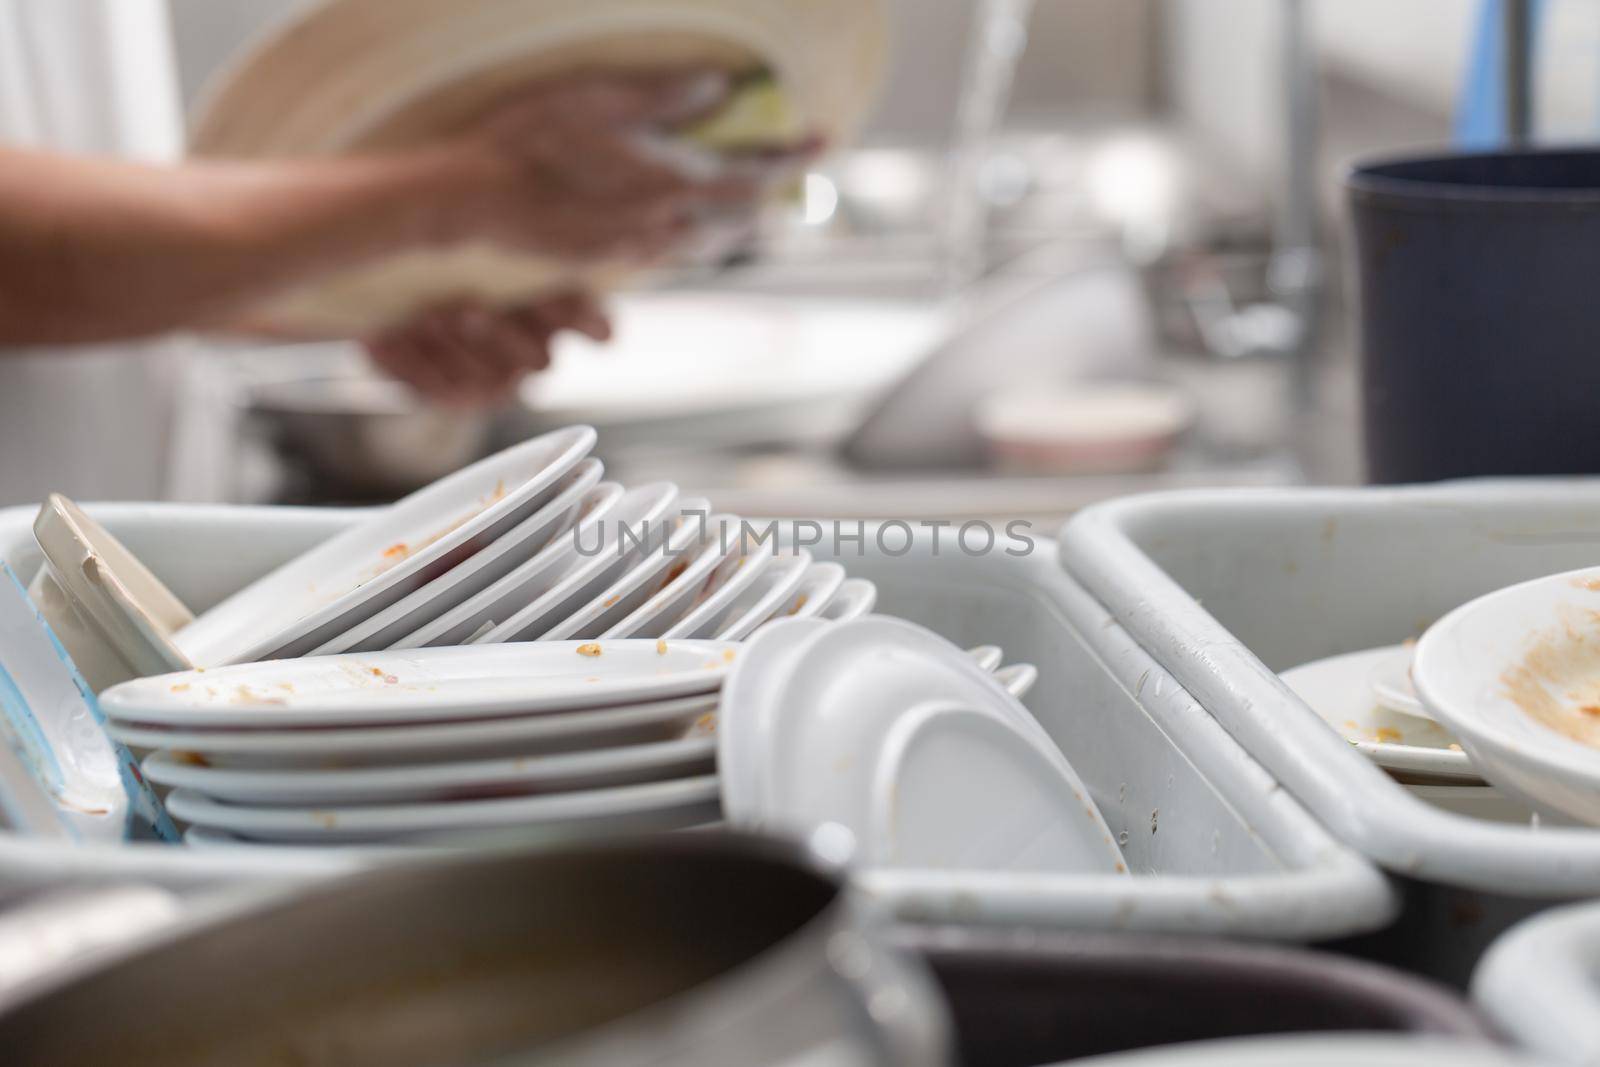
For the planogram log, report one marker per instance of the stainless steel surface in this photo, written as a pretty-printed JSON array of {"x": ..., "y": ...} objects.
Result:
[{"x": 701, "y": 949}]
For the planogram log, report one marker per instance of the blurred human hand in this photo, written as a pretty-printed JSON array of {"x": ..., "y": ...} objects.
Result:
[
  {"x": 583, "y": 167},
  {"x": 468, "y": 355}
]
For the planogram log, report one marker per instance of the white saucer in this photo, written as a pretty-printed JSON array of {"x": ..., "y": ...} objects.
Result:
[
  {"x": 621, "y": 809},
  {"x": 1339, "y": 690},
  {"x": 344, "y": 581},
  {"x": 424, "y": 685},
  {"x": 415, "y": 783}
]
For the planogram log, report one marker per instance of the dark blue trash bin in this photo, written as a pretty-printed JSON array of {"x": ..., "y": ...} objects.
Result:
[{"x": 1480, "y": 314}]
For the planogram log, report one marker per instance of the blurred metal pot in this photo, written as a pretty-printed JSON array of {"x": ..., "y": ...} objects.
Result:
[
  {"x": 363, "y": 438},
  {"x": 703, "y": 949}
]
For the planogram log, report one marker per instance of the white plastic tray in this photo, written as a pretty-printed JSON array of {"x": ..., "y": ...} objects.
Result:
[
  {"x": 1214, "y": 844},
  {"x": 1225, "y": 588},
  {"x": 1540, "y": 984}
]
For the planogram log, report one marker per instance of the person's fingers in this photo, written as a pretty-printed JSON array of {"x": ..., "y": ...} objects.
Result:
[
  {"x": 398, "y": 354},
  {"x": 526, "y": 344},
  {"x": 462, "y": 340},
  {"x": 574, "y": 309}
]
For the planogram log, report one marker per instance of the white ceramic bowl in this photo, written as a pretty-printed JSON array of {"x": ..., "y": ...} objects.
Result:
[
  {"x": 1083, "y": 428},
  {"x": 1515, "y": 675}
]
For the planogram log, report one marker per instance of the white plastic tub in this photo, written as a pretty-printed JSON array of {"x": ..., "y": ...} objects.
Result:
[
  {"x": 1540, "y": 984},
  {"x": 1213, "y": 843},
  {"x": 1225, "y": 588}
]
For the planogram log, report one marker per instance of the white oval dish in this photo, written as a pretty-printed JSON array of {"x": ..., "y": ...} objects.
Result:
[
  {"x": 424, "y": 685},
  {"x": 377, "y": 563}
]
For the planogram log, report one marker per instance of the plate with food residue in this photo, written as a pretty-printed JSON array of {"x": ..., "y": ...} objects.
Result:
[
  {"x": 345, "y": 581},
  {"x": 1515, "y": 675},
  {"x": 1339, "y": 689},
  {"x": 424, "y": 685}
]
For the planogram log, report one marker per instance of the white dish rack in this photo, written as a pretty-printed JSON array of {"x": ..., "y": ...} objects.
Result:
[{"x": 1213, "y": 843}]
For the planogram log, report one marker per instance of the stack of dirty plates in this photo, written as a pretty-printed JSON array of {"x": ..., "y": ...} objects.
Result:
[
  {"x": 562, "y": 738},
  {"x": 529, "y": 544}
]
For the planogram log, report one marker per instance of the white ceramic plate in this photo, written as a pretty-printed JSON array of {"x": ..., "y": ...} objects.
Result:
[
  {"x": 685, "y": 550},
  {"x": 573, "y": 500},
  {"x": 377, "y": 563},
  {"x": 1391, "y": 682},
  {"x": 132, "y": 610},
  {"x": 766, "y": 600},
  {"x": 747, "y": 568},
  {"x": 818, "y": 587},
  {"x": 1339, "y": 690},
  {"x": 618, "y": 542},
  {"x": 594, "y": 728},
  {"x": 1515, "y": 675},
  {"x": 694, "y": 585},
  {"x": 854, "y": 598},
  {"x": 657, "y": 805},
  {"x": 526, "y": 582},
  {"x": 814, "y": 730},
  {"x": 470, "y": 780},
  {"x": 424, "y": 685}
]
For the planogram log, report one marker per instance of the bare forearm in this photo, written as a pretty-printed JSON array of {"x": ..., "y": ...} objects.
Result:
[{"x": 93, "y": 250}]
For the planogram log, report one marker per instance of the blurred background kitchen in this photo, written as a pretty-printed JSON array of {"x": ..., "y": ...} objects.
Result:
[{"x": 1086, "y": 248}]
